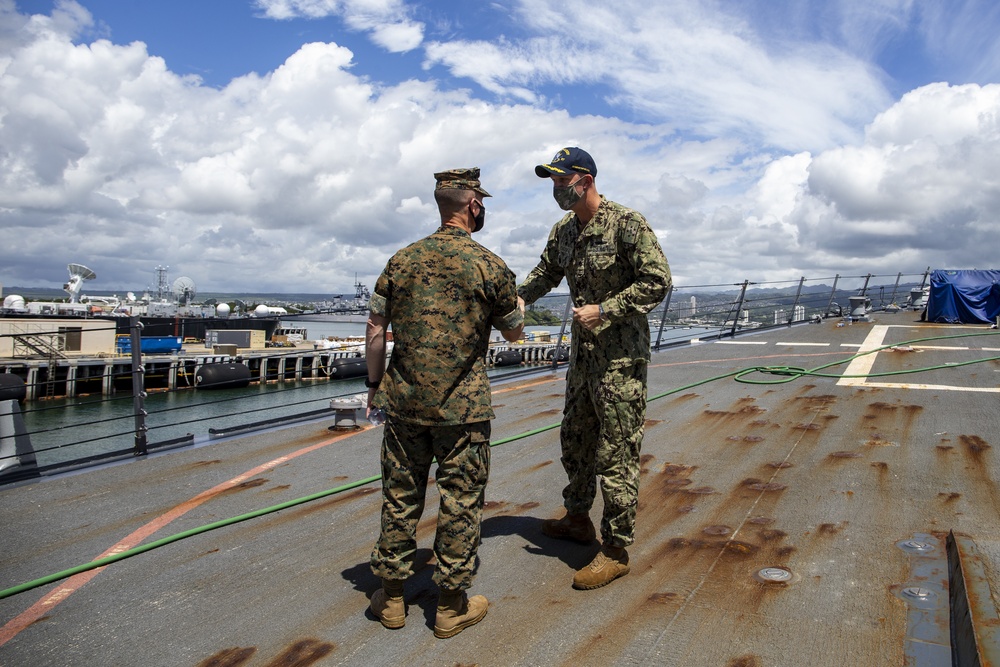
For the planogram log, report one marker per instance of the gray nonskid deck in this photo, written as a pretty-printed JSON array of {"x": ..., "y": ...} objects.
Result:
[{"x": 818, "y": 476}]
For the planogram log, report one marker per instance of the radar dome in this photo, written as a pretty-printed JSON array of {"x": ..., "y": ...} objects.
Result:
[
  {"x": 14, "y": 302},
  {"x": 222, "y": 310},
  {"x": 262, "y": 311}
]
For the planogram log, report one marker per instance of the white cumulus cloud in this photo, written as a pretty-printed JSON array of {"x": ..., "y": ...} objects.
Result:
[{"x": 750, "y": 159}]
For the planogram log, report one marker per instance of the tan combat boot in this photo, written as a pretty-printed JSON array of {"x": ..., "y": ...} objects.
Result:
[
  {"x": 456, "y": 611},
  {"x": 387, "y": 604},
  {"x": 573, "y": 527},
  {"x": 609, "y": 564}
]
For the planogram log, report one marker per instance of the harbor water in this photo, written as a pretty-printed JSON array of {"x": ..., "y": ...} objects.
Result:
[{"x": 64, "y": 429}]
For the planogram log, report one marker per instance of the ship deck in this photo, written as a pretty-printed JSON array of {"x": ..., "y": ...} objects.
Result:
[{"x": 849, "y": 485}]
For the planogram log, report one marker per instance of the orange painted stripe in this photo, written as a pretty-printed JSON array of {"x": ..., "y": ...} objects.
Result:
[
  {"x": 74, "y": 583},
  {"x": 523, "y": 385}
]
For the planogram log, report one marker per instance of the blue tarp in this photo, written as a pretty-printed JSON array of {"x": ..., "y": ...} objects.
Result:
[{"x": 969, "y": 297}]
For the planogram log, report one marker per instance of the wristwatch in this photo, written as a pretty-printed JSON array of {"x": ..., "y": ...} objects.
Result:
[{"x": 372, "y": 385}]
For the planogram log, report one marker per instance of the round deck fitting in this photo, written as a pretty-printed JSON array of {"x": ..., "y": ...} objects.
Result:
[
  {"x": 918, "y": 593},
  {"x": 922, "y": 596},
  {"x": 775, "y": 575},
  {"x": 915, "y": 546}
]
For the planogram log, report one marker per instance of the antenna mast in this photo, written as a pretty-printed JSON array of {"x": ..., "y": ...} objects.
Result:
[{"x": 161, "y": 283}]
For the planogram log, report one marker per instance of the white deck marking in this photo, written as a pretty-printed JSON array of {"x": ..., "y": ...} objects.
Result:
[
  {"x": 742, "y": 342},
  {"x": 933, "y": 387},
  {"x": 804, "y": 344},
  {"x": 863, "y": 365}
]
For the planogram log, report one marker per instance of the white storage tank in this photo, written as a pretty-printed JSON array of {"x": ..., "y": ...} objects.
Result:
[{"x": 268, "y": 311}]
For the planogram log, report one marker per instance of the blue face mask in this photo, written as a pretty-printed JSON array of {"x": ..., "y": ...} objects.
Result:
[{"x": 567, "y": 196}]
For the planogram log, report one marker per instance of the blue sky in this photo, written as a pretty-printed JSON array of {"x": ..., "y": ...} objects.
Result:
[{"x": 289, "y": 145}]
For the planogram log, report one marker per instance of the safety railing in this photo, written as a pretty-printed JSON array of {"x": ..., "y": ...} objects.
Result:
[{"x": 144, "y": 403}]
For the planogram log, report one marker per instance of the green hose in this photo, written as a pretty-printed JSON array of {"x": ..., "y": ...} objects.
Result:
[
  {"x": 787, "y": 373},
  {"x": 108, "y": 560}
]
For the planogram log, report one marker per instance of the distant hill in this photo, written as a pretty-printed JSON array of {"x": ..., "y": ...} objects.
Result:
[{"x": 51, "y": 294}]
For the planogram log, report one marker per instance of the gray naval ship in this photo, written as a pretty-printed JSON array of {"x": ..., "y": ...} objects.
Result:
[{"x": 823, "y": 492}]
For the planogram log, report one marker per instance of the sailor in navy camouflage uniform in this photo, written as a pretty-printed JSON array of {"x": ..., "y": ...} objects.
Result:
[
  {"x": 442, "y": 295},
  {"x": 616, "y": 273}
]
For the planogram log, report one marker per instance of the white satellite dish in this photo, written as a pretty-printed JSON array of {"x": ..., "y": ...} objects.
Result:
[
  {"x": 130, "y": 296},
  {"x": 184, "y": 290},
  {"x": 77, "y": 274}
]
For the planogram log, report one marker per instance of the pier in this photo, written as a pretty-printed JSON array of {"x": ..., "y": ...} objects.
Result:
[{"x": 110, "y": 374}]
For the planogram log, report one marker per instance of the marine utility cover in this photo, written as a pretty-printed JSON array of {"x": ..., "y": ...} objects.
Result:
[{"x": 964, "y": 296}]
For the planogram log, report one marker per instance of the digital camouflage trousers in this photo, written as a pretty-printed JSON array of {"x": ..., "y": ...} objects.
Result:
[
  {"x": 601, "y": 436},
  {"x": 463, "y": 466}
]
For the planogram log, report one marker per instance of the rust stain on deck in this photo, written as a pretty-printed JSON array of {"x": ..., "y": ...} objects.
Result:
[
  {"x": 748, "y": 660},
  {"x": 819, "y": 403},
  {"x": 243, "y": 486},
  {"x": 772, "y": 534},
  {"x": 734, "y": 547},
  {"x": 303, "y": 653},
  {"x": 760, "y": 485},
  {"x": 831, "y": 528},
  {"x": 230, "y": 657},
  {"x": 321, "y": 506},
  {"x": 881, "y": 466},
  {"x": 749, "y": 439},
  {"x": 739, "y": 412},
  {"x": 974, "y": 445},
  {"x": 806, "y": 427}
]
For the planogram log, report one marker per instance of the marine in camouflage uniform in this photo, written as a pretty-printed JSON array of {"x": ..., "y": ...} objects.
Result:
[
  {"x": 442, "y": 295},
  {"x": 612, "y": 261}
]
